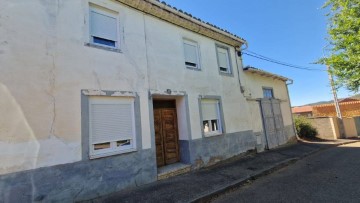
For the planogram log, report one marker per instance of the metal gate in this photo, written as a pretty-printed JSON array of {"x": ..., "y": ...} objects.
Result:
[{"x": 273, "y": 123}]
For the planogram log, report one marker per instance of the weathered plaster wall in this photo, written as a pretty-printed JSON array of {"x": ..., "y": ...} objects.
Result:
[
  {"x": 254, "y": 83},
  {"x": 167, "y": 71},
  {"x": 46, "y": 63},
  {"x": 44, "y": 72}
]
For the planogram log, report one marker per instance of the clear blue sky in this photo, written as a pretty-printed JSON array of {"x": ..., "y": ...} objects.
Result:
[{"x": 292, "y": 31}]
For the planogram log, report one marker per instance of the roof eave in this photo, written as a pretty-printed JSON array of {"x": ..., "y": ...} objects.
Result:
[
  {"x": 266, "y": 74},
  {"x": 169, "y": 14}
]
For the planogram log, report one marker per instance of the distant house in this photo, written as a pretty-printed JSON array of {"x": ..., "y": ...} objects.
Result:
[
  {"x": 348, "y": 100},
  {"x": 306, "y": 111},
  {"x": 102, "y": 95},
  {"x": 348, "y": 109}
]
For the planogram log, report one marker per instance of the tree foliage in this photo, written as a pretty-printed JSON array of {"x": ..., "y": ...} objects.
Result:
[{"x": 344, "y": 38}]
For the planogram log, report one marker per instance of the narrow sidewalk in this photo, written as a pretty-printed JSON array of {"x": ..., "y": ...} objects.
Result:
[{"x": 201, "y": 185}]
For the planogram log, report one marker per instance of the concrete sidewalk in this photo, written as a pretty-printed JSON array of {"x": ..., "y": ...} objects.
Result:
[{"x": 202, "y": 185}]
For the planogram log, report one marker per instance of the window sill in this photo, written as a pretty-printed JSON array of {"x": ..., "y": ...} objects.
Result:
[
  {"x": 191, "y": 68},
  {"x": 226, "y": 74},
  {"x": 212, "y": 134},
  {"x": 102, "y": 47},
  {"x": 126, "y": 151}
]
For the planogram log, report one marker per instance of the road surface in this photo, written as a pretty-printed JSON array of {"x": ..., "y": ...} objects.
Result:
[{"x": 332, "y": 175}]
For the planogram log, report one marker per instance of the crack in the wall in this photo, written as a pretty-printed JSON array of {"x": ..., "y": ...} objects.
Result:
[
  {"x": 78, "y": 193},
  {"x": 97, "y": 80},
  {"x": 52, "y": 9},
  {"x": 51, "y": 91}
]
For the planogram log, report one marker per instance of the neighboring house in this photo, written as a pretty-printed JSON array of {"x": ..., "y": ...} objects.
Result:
[
  {"x": 348, "y": 100},
  {"x": 96, "y": 95},
  {"x": 306, "y": 111},
  {"x": 327, "y": 108},
  {"x": 347, "y": 109}
]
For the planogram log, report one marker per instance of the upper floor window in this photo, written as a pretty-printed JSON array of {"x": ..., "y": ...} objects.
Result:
[
  {"x": 104, "y": 27},
  {"x": 191, "y": 53},
  {"x": 268, "y": 93},
  {"x": 223, "y": 59}
]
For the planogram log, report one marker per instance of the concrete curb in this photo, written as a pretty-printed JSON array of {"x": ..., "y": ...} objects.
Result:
[{"x": 241, "y": 182}]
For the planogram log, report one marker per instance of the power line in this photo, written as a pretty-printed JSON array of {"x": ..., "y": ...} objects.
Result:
[{"x": 261, "y": 57}]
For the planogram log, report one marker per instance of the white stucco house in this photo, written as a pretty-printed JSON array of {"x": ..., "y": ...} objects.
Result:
[{"x": 100, "y": 95}]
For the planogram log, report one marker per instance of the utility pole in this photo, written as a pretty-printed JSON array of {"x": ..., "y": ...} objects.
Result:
[{"x": 336, "y": 102}]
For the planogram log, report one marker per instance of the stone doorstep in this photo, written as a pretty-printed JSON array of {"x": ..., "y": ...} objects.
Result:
[{"x": 173, "y": 170}]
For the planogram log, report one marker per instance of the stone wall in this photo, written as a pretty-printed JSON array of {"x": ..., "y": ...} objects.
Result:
[
  {"x": 210, "y": 150},
  {"x": 328, "y": 128},
  {"x": 351, "y": 127},
  {"x": 81, "y": 180}
]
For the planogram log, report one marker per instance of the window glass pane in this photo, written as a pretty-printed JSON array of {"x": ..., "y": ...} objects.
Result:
[
  {"x": 214, "y": 125},
  {"x": 268, "y": 93},
  {"x": 206, "y": 126},
  {"x": 104, "y": 41},
  {"x": 192, "y": 65},
  {"x": 102, "y": 146},
  {"x": 123, "y": 143},
  {"x": 103, "y": 26}
]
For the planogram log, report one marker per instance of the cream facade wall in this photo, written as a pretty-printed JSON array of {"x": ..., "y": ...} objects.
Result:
[
  {"x": 167, "y": 72},
  {"x": 254, "y": 90},
  {"x": 45, "y": 64}
]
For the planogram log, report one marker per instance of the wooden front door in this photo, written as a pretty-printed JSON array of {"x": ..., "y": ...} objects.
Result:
[{"x": 166, "y": 136}]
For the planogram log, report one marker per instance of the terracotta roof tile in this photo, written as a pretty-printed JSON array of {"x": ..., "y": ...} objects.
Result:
[{"x": 302, "y": 109}]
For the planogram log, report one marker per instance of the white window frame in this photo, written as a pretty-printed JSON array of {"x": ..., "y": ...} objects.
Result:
[
  {"x": 109, "y": 13},
  {"x": 113, "y": 149},
  {"x": 196, "y": 45},
  {"x": 212, "y": 132},
  {"x": 229, "y": 70}
]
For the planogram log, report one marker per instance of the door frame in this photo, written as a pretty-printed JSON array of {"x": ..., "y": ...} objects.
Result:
[{"x": 183, "y": 121}]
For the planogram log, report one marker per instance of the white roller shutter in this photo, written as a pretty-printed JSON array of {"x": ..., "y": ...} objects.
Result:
[
  {"x": 209, "y": 109},
  {"x": 111, "y": 119},
  {"x": 190, "y": 50},
  {"x": 103, "y": 26}
]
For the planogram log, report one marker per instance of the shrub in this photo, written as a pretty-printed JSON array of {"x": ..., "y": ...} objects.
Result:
[{"x": 304, "y": 129}]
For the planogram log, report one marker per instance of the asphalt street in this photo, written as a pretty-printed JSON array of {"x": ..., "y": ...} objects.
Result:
[{"x": 331, "y": 175}]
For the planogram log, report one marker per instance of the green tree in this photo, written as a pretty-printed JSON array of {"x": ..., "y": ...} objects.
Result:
[{"x": 344, "y": 38}]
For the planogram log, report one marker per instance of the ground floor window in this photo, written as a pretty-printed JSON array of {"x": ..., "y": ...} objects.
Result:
[
  {"x": 211, "y": 119},
  {"x": 112, "y": 125}
]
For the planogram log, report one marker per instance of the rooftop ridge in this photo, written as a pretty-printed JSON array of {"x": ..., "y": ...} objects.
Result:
[
  {"x": 166, "y": 12},
  {"x": 342, "y": 103}
]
